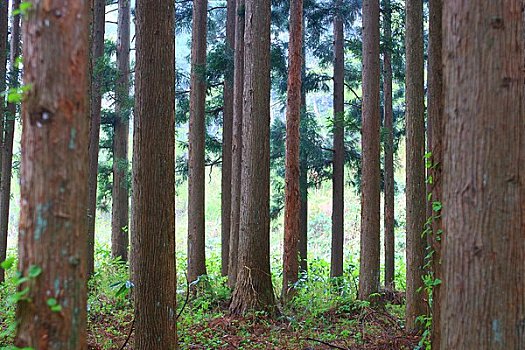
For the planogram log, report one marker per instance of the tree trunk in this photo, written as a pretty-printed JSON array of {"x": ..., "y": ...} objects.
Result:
[
  {"x": 153, "y": 219},
  {"x": 54, "y": 176},
  {"x": 336, "y": 266},
  {"x": 389, "y": 239},
  {"x": 483, "y": 299},
  {"x": 303, "y": 176},
  {"x": 292, "y": 216},
  {"x": 120, "y": 217},
  {"x": 196, "y": 138},
  {"x": 9, "y": 126},
  {"x": 227, "y": 132},
  {"x": 253, "y": 290},
  {"x": 370, "y": 202},
  {"x": 99, "y": 14},
  {"x": 415, "y": 182},
  {"x": 3, "y": 62},
  {"x": 435, "y": 119},
  {"x": 238, "y": 87}
]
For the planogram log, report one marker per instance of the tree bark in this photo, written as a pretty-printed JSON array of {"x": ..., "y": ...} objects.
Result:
[
  {"x": 389, "y": 239},
  {"x": 98, "y": 27},
  {"x": 197, "y": 132},
  {"x": 370, "y": 202},
  {"x": 292, "y": 214},
  {"x": 3, "y": 63},
  {"x": 415, "y": 182},
  {"x": 253, "y": 290},
  {"x": 120, "y": 195},
  {"x": 435, "y": 132},
  {"x": 336, "y": 266},
  {"x": 483, "y": 299},
  {"x": 153, "y": 219},
  {"x": 227, "y": 134},
  {"x": 54, "y": 176},
  {"x": 238, "y": 87}
]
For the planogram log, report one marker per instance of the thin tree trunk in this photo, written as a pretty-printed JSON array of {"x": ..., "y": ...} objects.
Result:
[
  {"x": 3, "y": 63},
  {"x": 238, "y": 87},
  {"x": 153, "y": 219},
  {"x": 9, "y": 126},
  {"x": 227, "y": 133},
  {"x": 303, "y": 176},
  {"x": 99, "y": 14},
  {"x": 253, "y": 290},
  {"x": 483, "y": 253},
  {"x": 54, "y": 176},
  {"x": 120, "y": 217},
  {"x": 196, "y": 136},
  {"x": 336, "y": 266},
  {"x": 370, "y": 202},
  {"x": 389, "y": 239},
  {"x": 415, "y": 183},
  {"x": 292, "y": 214},
  {"x": 435, "y": 118}
]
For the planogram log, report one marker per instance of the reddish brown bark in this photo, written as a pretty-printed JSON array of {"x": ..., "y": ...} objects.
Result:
[
  {"x": 415, "y": 188},
  {"x": 370, "y": 198},
  {"x": 253, "y": 290},
  {"x": 196, "y": 137},
  {"x": 238, "y": 87},
  {"x": 389, "y": 239},
  {"x": 336, "y": 266},
  {"x": 435, "y": 132},
  {"x": 227, "y": 134},
  {"x": 54, "y": 172},
  {"x": 153, "y": 219},
  {"x": 120, "y": 195},
  {"x": 97, "y": 38},
  {"x": 292, "y": 212},
  {"x": 483, "y": 299},
  {"x": 9, "y": 119}
]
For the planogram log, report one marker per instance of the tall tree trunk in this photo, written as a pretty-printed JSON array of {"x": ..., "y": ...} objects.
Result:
[
  {"x": 389, "y": 239},
  {"x": 3, "y": 63},
  {"x": 370, "y": 202},
  {"x": 197, "y": 132},
  {"x": 238, "y": 88},
  {"x": 483, "y": 299},
  {"x": 120, "y": 217},
  {"x": 253, "y": 290},
  {"x": 227, "y": 132},
  {"x": 98, "y": 26},
  {"x": 415, "y": 182},
  {"x": 435, "y": 119},
  {"x": 336, "y": 266},
  {"x": 9, "y": 126},
  {"x": 54, "y": 176},
  {"x": 292, "y": 215},
  {"x": 303, "y": 176},
  {"x": 153, "y": 219}
]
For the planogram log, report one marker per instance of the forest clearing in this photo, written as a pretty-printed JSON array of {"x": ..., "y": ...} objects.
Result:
[{"x": 262, "y": 174}]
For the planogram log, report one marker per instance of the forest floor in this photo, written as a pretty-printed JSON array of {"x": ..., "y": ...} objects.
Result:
[{"x": 355, "y": 326}]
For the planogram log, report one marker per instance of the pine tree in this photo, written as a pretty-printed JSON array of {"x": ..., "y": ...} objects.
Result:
[
  {"x": 253, "y": 288},
  {"x": 153, "y": 204},
  {"x": 54, "y": 177},
  {"x": 292, "y": 215},
  {"x": 370, "y": 180},
  {"x": 415, "y": 179},
  {"x": 196, "y": 140},
  {"x": 120, "y": 193}
]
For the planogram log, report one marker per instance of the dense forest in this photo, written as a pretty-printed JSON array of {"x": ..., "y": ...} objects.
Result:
[{"x": 262, "y": 174}]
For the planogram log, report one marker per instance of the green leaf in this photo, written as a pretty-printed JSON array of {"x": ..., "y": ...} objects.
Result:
[
  {"x": 8, "y": 263},
  {"x": 34, "y": 271},
  {"x": 437, "y": 206}
]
